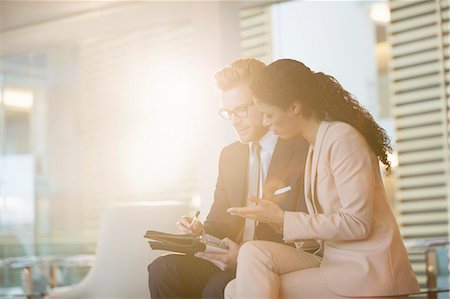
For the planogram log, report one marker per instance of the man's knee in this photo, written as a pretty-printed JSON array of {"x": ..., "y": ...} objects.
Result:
[
  {"x": 214, "y": 290},
  {"x": 157, "y": 265},
  {"x": 216, "y": 285},
  {"x": 162, "y": 268},
  {"x": 163, "y": 279}
]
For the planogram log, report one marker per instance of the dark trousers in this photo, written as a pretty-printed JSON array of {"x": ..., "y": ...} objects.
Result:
[{"x": 185, "y": 276}]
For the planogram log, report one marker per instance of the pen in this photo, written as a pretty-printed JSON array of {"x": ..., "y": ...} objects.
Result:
[{"x": 195, "y": 218}]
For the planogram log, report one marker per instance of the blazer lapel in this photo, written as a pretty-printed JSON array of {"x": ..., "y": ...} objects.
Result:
[
  {"x": 307, "y": 185},
  {"x": 315, "y": 159},
  {"x": 280, "y": 158}
]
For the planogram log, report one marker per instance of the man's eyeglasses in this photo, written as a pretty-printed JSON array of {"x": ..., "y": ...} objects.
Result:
[{"x": 240, "y": 112}]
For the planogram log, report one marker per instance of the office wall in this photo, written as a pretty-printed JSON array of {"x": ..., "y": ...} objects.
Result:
[{"x": 336, "y": 37}]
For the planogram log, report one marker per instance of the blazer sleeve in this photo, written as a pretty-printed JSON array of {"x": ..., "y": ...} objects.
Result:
[{"x": 351, "y": 181}]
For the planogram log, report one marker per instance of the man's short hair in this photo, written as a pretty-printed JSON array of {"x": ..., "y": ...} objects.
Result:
[{"x": 241, "y": 71}]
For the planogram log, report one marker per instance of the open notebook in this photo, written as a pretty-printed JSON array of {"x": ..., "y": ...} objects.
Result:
[{"x": 185, "y": 243}]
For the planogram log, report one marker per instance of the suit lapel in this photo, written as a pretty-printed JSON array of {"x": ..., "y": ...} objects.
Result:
[
  {"x": 239, "y": 178},
  {"x": 280, "y": 159},
  {"x": 307, "y": 186},
  {"x": 315, "y": 159}
]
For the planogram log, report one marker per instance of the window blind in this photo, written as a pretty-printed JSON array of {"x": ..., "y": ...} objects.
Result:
[
  {"x": 256, "y": 32},
  {"x": 419, "y": 88}
]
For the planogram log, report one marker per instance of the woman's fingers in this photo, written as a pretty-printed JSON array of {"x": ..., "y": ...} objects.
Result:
[
  {"x": 265, "y": 211},
  {"x": 252, "y": 209},
  {"x": 254, "y": 199},
  {"x": 252, "y": 212},
  {"x": 243, "y": 213}
]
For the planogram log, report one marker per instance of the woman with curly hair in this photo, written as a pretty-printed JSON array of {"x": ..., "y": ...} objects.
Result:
[{"x": 349, "y": 244}]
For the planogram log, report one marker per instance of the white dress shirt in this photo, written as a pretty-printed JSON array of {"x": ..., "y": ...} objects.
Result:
[{"x": 268, "y": 143}]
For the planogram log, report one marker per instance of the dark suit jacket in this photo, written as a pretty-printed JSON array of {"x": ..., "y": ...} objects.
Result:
[{"x": 286, "y": 169}]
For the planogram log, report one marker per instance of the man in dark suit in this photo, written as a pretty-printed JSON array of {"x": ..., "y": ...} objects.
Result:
[{"x": 280, "y": 178}]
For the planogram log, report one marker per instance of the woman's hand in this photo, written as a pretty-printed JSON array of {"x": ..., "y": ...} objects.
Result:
[{"x": 264, "y": 211}]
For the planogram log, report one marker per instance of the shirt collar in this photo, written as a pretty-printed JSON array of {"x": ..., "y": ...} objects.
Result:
[{"x": 267, "y": 142}]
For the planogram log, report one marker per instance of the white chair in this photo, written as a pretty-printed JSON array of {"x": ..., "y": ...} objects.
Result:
[{"x": 122, "y": 254}]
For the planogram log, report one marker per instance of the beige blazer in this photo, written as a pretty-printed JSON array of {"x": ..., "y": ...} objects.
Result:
[{"x": 363, "y": 252}]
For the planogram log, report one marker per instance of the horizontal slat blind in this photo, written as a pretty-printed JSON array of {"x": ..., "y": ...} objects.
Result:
[
  {"x": 255, "y": 33},
  {"x": 419, "y": 66}
]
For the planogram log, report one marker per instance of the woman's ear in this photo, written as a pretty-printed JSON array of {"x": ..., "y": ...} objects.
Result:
[{"x": 295, "y": 108}]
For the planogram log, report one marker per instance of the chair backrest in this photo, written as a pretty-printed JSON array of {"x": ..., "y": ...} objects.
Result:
[
  {"x": 122, "y": 254},
  {"x": 437, "y": 263}
]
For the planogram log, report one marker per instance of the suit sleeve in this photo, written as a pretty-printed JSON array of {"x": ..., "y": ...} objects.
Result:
[
  {"x": 351, "y": 163},
  {"x": 218, "y": 220}
]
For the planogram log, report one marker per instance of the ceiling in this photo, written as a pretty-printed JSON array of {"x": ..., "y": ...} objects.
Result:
[
  {"x": 19, "y": 14},
  {"x": 16, "y": 14}
]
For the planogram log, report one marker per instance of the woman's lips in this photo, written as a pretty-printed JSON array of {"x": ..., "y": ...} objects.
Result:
[{"x": 242, "y": 130}]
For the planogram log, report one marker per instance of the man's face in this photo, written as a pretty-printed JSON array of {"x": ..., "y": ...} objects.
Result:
[{"x": 238, "y": 100}]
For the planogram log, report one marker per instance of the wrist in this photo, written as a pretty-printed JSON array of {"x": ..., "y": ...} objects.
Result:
[{"x": 199, "y": 229}]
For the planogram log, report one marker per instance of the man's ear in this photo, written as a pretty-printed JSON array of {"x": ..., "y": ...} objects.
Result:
[{"x": 295, "y": 108}]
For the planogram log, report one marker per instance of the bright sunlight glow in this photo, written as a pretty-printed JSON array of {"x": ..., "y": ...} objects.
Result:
[{"x": 18, "y": 99}]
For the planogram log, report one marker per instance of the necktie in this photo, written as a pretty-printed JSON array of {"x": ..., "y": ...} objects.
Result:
[{"x": 253, "y": 189}]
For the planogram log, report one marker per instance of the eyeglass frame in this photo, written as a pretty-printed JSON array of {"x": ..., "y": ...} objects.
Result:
[{"x": 229, "y": 113}]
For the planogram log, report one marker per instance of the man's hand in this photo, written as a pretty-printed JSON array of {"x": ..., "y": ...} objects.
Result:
[
  {"x": 184, "y": 226},
  {"x": 224, "y": 261}
]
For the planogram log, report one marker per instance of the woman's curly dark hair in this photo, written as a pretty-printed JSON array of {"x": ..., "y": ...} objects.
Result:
[{"x": 286, "y": 81}]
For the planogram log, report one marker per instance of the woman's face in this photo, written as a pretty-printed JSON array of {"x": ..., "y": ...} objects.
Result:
[{"x": 283, "y": 122}]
